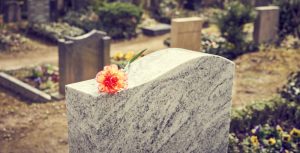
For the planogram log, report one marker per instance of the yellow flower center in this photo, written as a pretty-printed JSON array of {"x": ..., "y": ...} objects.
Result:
[{"x": 272, "y": 141}]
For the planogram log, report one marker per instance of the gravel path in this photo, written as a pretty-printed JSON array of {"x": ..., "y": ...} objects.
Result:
[{"x": 48, "y": 53}]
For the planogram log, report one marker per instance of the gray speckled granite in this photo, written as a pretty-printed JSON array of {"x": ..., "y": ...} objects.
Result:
[{"x": 177, "y": 101}]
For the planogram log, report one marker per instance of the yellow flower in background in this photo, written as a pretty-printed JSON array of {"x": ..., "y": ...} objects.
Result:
[
  {"x": 272, "y": 141},
  {"x": 118, "y": 56},
  {"x": 295, "y": 132},
  {"x": 279, "y": 129},
  {"x": 286, "y": 151},
  {"x": 286, "y": 137},
  {"x": 129, "y": 55},
  {"x": 254, "y": 140}
]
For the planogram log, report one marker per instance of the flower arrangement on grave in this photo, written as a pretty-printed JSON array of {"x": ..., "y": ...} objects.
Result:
[
  {"x": 266, "y": 138},
  {"x": 43, "y": 77},
  {"x": 112, "y": 78}
]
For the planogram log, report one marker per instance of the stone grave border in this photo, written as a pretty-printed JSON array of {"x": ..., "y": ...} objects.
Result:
[{"x": 25, "y": 90}]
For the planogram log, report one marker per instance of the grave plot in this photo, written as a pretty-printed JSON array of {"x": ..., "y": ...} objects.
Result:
[
  {"x": 11, "y": 41},
  {"x": 54, "y": 31},
  {"x": 38, "y": 83},
  {"x": 43, "y": 77}
]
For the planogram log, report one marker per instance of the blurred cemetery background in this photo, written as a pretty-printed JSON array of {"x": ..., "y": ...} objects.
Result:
[{"x": 46, "y": 44}]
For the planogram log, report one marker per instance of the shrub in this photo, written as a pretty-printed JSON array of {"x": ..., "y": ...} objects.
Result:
[
  {"x": 166, "y": 10},
  {"x": 85, "y": 20},
  {"x": 97, "y": 3},
  {"x": 253, "y": 127},
  {"x": 289, "y": 20},
  {"x": 266, "y": 138},
  {"x": 214, "y": 44},
  {"x": 231, "y": 24},
  {"x": 273, "y": 112},
  {"x": 291, "y": 91},
  {"x": 290, "y": 42},
  {"x": 11, "y": 41},
  {"x": 120, "y": 20},
  {"x": 55, "y": 31}
]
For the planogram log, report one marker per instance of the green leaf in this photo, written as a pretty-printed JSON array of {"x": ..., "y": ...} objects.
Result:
[{"x": 137, "y": 56}]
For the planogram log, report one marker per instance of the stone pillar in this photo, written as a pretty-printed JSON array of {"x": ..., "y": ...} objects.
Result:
[
  {"x": 177, "y": 101},
  {"x": 12, "y": 11},
  {"x": 38, "y": 11},
  {"x": 1, "y": 19},
  {"x": 186, "y": 33},
  {"x": 60, "y": 6},
  {"x": 2, "y": 6},
  {"x": 80, "y": 58},
  {"x": 266, "y": 24}
]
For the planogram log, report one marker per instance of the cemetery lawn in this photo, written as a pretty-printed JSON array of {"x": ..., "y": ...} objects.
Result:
[
  {"x": 42, "y": 127},
  {"x": 31, "y": 128}
]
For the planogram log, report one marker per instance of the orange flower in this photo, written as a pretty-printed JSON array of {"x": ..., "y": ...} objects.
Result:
[{"x": 111, "y": 79}]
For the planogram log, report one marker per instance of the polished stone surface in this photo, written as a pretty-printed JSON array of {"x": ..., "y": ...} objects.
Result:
[{"x": 177, "y": 101}]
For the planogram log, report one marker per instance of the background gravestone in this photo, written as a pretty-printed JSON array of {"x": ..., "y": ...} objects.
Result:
[
  {"x": 266, "y": 24},
  {"x": 12, "y": 11},
  {"x": 38, "y": 11},
  {"x": 2, "y": 6},
  {"x": 82, "y": 57},
  {"x": 186, "y": 33},
  {"x": 56, "y": 9},
  {"x": 177, "y": 101},
  {"x": 1, "y": 20}
]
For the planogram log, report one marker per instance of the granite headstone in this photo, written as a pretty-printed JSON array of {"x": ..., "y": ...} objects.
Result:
[
  {"x": 38, "y": 11},
  {"x": 186, "y": 33},
  {"x": 266, "y": 24},
  {"x": 12, "y": 11},
  {"x": 177, "y": 101},
  {"x": 81, "y": 57}
]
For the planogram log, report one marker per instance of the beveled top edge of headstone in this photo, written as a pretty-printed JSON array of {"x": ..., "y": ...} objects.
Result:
[
  {"x": 92, "y": 32},
  {"x": 147, "y": 69},
  {"x": 158, "y": 63},
  {"x": 188, "y": 19},
  {"x": 271, "y": 7}
]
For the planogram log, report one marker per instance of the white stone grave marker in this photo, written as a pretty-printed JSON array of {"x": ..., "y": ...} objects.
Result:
[{"x": 177, "y": 101}]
